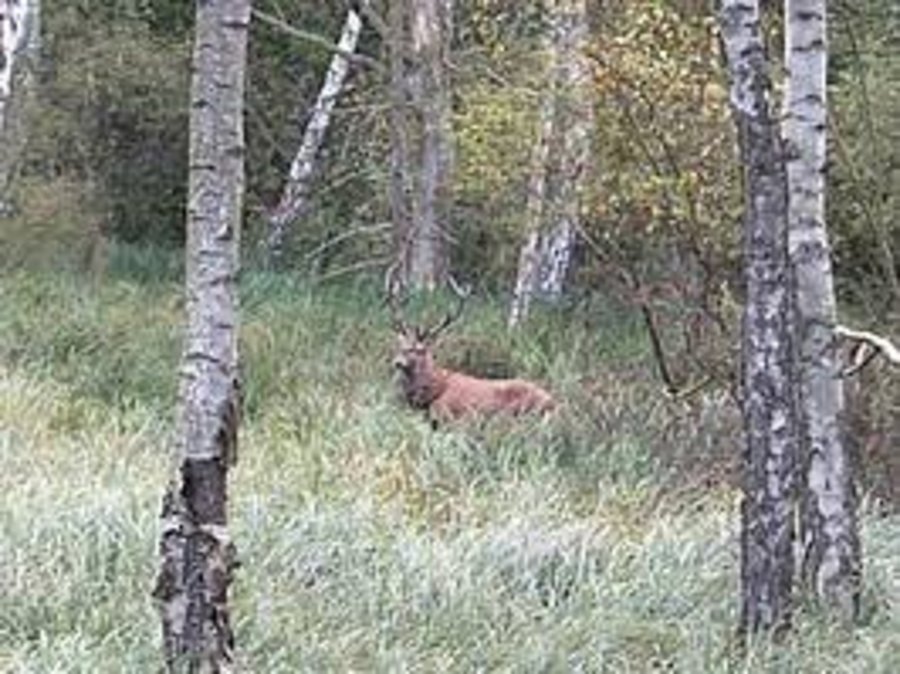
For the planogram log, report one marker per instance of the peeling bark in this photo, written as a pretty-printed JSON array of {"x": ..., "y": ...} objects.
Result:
[
  {"x": 769, "y": 404},
  {"x": 831, "y": 566},
  {"x": 197, "y": 556},
  {"x": 299, "y": 182}
]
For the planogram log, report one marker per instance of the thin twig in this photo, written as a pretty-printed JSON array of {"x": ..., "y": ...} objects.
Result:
[
  {"x": 688, "y": 391},
  {"x": 356, "y": 266},
  {"x": 343, "y": 236}
]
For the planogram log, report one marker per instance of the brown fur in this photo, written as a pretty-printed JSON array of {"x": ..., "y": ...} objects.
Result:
[{"x": 449, "y": 395}]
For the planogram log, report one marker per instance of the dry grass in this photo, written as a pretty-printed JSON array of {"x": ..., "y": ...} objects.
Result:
[{"x": 369, "y": 542}]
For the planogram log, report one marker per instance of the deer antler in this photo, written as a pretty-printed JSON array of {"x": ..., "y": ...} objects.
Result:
[
  {"x": 462, "y": 295},
  {"x": 390, "y": 292}
]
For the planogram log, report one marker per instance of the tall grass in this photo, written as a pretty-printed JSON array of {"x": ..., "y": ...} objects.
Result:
[{"x": 600, "y": 542}]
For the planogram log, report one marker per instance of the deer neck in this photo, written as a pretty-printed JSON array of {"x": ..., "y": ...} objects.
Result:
[{"x": 425, "y": 388}]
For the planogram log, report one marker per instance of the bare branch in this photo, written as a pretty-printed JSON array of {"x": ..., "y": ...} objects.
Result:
[
  {"x": 317, "y": 40},
  {"x": 343, "y": 236},
  {"x": 351, "y": 268},
  {"x": 689, "y": 390},
  {"x": 882, "y": 345}
]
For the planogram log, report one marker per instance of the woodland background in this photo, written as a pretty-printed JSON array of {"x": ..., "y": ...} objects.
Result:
[{"x": 107, "y": 154}]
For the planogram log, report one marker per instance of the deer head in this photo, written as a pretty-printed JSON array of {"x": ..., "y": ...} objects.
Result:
[{"x": 414, "y": 358}]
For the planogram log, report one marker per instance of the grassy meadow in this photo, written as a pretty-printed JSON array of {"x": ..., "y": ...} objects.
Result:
[{"x": 605, "y": 540}]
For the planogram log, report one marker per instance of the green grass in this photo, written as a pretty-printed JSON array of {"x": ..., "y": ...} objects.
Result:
[{"x": 605, "y": 541}]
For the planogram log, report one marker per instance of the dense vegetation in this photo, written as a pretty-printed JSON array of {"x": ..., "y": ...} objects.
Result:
[
  {"x": 603, "y": 541},
  {"x": 107, "y": 151}
]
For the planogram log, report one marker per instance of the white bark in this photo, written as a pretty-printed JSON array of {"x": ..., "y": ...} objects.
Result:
[
  {"x": 575, "y": 125},
  {"x": 769, "y": 406},
  {"x": 555, "y": 200},
  {"x": 198, "y": 558},
  {"x": 556, "y": 255},
  {"x": 831, "y": 548},
  {"x": 297, "y": 188},
  {"x": 19, "y": 51},
  {"x": 531, "y": 254},
  {"x": 13, "y": 35}
]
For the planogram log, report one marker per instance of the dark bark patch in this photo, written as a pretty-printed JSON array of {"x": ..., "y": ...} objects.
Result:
[{"x": 203, "y": 489}]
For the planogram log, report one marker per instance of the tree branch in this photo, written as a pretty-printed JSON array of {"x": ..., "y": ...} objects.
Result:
[
  {"x": 882, "y": 344},
  {"x": 317, "y": 40}
]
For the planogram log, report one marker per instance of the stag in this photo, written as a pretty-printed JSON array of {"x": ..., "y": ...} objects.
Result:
[{"x": 447, "y": 395}]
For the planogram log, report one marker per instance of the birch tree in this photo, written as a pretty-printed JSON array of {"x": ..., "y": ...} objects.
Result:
[
  {"x": 576, "y": 117},
  {"x": 197, "y": 555},
  {"x": 530, "y": 254},
  {"x": 20, "y": 47},
  {"x": 558, "y": 178},
  {"x": 297, "y": 188},
  {"x": 768, "y": 396},
  {"x": 831, "y": 564}
]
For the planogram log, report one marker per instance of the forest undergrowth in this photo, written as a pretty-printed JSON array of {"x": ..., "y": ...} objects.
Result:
[{"x": 604, "y": 540}]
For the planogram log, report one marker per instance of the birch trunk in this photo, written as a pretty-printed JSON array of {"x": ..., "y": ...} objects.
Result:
[
  {"x": 575, "y": 113},
  {"x": 531, "y": 253},
  {"x": 427, "y": 245},
  {"x": 558, "y": 179},
  {"x": 831, "y": 565},
  {"x": 767, "y": 515},
  {"x": 20, "y": 47},
  {"x": 12, "y": 36},
  {"x": 297, "y": 188},
  {"x": 197, "y": 555}
]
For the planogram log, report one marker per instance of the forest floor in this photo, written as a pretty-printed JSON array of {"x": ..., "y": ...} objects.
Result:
[{"x": 605, "y": 540}]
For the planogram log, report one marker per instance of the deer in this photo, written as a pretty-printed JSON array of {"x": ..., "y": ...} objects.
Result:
[{"x": 444, "y": 394}]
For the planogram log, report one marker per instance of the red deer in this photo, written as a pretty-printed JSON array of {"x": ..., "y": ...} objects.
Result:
[{"x": 448, "y": 395}]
